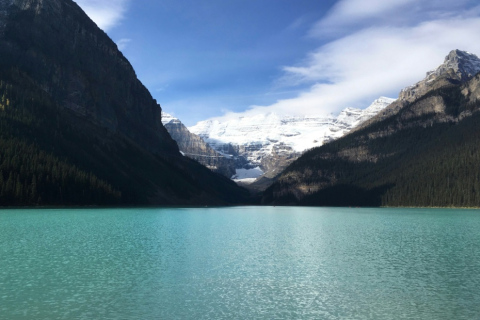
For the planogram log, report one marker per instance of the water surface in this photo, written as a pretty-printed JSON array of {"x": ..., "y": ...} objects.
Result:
[{"x": 240, "y": 263}]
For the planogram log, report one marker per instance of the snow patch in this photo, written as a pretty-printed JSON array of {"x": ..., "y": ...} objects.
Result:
[
  {"x": 167, "y": 118},
  {"x": 247, "y": 175}
]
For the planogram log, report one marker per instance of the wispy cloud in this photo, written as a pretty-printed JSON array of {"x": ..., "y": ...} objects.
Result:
[
  {"x": 123, "y": 43},
  {"x": 297, "y": 24},
  {"x": 106, "y": 14},
  {"x": 377, "y": 58},
  {"x": 348, "y": 14}
]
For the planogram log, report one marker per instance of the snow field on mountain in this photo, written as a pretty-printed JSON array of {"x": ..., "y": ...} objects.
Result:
[{"x": 263, "y": 131}]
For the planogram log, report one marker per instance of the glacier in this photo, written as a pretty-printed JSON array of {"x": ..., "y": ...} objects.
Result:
[
  {"x": 247, "y": 176},
  {"x": 271, "y": 141}
]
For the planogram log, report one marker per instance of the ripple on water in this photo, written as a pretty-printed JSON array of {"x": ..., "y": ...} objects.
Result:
[{"x": 240, "y": 263}]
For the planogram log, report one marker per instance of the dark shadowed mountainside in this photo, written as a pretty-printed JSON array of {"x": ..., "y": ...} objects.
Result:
[
  {"x": 76, "y": 125},
  {"x": 420, "y": 151}
]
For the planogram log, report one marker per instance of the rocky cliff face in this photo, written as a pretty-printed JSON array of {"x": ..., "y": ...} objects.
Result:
[
  {"x": 271, "y": 141},
  {"x": 81, "y": 67},
  {"x": 194, "y": 147},
  {"x": 419, "y": 151},
  {"x": 87, "y": 110}
]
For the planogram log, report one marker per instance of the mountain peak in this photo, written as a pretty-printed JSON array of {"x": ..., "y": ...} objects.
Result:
[
  {"x": 459, "y": 66},
  {"x": 464, "y": 65}
]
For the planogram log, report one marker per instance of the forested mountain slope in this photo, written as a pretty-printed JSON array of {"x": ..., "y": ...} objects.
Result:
[
  {"x": 76, "y": 125},
  {"x": 421, "y": 151}
]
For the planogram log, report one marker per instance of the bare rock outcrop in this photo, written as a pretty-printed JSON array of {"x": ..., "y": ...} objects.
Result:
[{"x": 194, "y": 147}]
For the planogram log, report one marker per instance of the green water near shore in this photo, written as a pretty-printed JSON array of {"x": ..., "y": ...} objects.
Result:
[{"x": 240, "y": 263}]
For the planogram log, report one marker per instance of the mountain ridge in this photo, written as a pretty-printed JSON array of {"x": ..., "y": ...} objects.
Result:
[
  {"x": 423, "y": 154},
  {"x": 457, "y": 67}
]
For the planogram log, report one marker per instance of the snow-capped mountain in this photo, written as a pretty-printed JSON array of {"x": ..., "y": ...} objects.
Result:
[
  {"x": 271, "y": 141},
  {"x": 167, "y": 118}
]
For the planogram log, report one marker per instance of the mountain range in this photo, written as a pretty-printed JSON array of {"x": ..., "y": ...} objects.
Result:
[
  {"x": 264, "y": 144},
  {"x": 77, "y": 127},
  {"x": 422, "y": 150}
]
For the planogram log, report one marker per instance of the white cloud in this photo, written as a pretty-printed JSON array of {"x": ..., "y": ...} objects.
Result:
[
  {"x": 348, "y": 14},
  {"x": 374, "y": 61},
  {"x": 123, "y": 43},
  {"x": 106, "y": 14}
]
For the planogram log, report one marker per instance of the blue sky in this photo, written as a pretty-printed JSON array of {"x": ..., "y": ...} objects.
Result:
[{"x": 222, "y": 58}]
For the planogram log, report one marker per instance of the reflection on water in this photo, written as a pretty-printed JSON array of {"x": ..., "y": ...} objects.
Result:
[{"x": 240, "y": 263}]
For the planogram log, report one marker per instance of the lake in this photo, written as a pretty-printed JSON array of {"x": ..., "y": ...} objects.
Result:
[{"x": 240, "y": 263}]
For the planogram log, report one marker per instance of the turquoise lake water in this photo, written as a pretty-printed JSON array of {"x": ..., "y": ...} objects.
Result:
[{"x": 240, "y": 263}]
